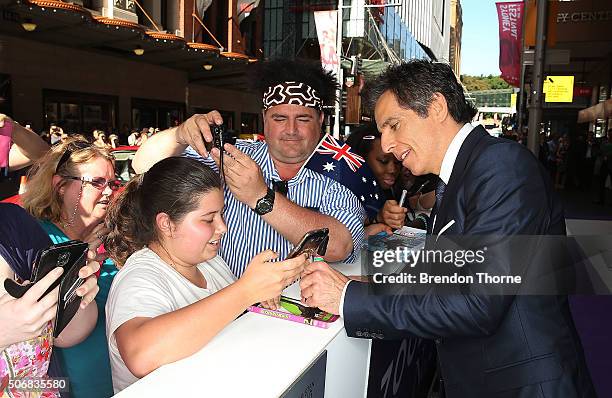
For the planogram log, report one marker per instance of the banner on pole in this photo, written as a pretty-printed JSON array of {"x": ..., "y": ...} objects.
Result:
[
  {"x": 326, "y": 22},
  {"x": 510, "y": 36}
]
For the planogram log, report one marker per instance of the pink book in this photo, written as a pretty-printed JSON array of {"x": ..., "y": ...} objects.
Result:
[{"x": 291, "y": 308}]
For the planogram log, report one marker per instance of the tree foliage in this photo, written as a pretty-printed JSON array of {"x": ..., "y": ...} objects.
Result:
[{"x": 478, "y": 83}]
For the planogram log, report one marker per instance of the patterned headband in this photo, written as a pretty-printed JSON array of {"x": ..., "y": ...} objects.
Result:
[{"x": 292, "y": 93}]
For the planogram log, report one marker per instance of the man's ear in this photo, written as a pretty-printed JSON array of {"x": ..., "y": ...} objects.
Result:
[
  {"x": 438, "y": 108},
  {"x": 164, "y": 225},
  {"x": 321, "y": 117},
  {"x": 57, "y": 181}
]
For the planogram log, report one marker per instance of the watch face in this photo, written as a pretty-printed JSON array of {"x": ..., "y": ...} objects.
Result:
[{"x": 264, "y": 206}]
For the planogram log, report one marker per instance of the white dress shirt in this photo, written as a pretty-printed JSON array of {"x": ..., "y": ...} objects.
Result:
[
  {"x": 452, "y": 151},
  {"x": 445, "y": 172}
]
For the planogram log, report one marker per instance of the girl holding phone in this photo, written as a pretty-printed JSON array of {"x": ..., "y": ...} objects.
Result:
[{"x": 173, "y": 293}]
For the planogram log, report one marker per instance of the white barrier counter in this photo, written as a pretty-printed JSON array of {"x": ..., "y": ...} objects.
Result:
[{"x": 261, "y": 356}]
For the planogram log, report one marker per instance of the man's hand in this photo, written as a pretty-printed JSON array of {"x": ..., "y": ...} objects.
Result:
[
  {"x": 322, "y": 287},
  {"x": 195, "y": 131},
  {"x": 242, "y": 175},
  {"x": 392, "y": 214}
]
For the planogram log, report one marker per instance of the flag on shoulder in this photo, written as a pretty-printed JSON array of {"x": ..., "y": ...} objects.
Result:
[{"x": 334, "y": 159}]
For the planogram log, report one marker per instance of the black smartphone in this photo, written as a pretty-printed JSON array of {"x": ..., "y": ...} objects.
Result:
[
  {"x": 68, "y": 255},
  {"x": 313, "y": 242},
  {"x": 68, "y": 302}
]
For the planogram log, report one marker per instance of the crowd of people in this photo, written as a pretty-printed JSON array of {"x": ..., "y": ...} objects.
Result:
[
  {"x": 193, "y": 240},
  {"x": 178, "y": 253},
  {"x": 99, "y": 137},
  {"x": 581, "y": 162}
]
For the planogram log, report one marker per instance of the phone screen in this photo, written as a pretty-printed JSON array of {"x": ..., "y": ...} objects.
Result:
[{"x": 313, "y": 242}]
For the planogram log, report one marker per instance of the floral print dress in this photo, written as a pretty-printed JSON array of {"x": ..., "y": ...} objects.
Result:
[{"x": 27, "y": 360}]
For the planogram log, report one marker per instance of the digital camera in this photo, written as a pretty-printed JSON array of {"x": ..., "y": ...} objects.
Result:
[{"x": 221, "y": 136}]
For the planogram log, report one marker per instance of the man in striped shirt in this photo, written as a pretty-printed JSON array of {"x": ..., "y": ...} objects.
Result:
[{"x": 271, "y": 200}]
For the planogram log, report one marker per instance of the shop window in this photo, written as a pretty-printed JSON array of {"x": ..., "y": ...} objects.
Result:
[
  {"x": 249, "y": 123},
  {"x": 79, "y": 112},
  {"x": 156, "y": 114}
]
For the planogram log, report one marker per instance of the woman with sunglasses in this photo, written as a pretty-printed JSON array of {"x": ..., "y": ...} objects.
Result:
[{"x": 70, "y": 189}]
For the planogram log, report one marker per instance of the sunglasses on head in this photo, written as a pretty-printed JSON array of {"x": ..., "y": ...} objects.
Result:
[{"x": 70, "y": 149}]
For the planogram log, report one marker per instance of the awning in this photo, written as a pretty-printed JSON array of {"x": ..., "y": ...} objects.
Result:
[{"x": 73, "y": 26}]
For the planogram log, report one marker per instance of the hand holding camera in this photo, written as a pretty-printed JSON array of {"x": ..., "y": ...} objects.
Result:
[
  {"x": 196, "y": 131},
  {"x": 242, "y": 175}
]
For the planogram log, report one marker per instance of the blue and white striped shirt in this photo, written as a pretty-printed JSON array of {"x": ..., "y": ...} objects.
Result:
[{"x": 248, "y": 234}]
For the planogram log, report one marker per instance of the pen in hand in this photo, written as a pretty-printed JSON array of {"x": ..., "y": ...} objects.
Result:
[{"x": 402, "y": 198}]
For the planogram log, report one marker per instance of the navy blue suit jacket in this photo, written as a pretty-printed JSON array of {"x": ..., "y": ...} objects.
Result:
[{"x": 492, "y": 345}]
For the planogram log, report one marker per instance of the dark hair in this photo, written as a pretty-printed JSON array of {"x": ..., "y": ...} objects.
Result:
[
  {"x": 358, "y": 144},
  {"x": 271, "y": 73},
  {"x": 414, "y": 84},
  {"x": 172, "y": 186}
]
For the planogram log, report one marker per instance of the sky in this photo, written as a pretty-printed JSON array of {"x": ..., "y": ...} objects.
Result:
[{"x": 480, "y": 38}]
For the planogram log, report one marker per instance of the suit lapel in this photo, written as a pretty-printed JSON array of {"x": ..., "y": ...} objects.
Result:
[{"x": 464, "y": 157}]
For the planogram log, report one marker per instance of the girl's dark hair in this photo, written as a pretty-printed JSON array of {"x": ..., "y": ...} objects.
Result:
[
  {"x": 363, "y": 138},
  {"x": 172, "y": 186}
]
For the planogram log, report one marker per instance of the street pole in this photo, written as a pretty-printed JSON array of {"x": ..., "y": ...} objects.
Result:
[
  {"x": 338, "y": 104},
  {"x": 339, "y": 72},
  {"x": 535, "y": 109}
]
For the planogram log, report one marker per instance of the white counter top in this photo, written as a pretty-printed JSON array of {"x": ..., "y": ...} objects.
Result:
[{"x": 257, "y": 356}]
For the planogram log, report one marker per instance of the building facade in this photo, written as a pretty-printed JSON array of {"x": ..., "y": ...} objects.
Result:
[
  {"x": 456, "y": 27},
  {"x": 118, "y": 65},
  {"x": 429, "y": 22}
]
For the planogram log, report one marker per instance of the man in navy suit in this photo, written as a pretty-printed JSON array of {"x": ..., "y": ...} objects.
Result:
[{"x": 488, "y": 345}]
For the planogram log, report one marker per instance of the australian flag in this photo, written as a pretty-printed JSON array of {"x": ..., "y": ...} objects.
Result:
[{"x": 334, "y": 159}]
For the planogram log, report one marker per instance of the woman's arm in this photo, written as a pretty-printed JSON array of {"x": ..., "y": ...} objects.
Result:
[
  {"x": 148, "y": 343},
  {"x": 145, "y": 344},
  {"x": 79, "y": 327},
  {"x": 28, "y": 146}
]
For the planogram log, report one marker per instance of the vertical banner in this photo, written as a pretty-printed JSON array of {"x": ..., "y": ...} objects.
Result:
[
  {"x": 510, "y": 35},
  {"x": 326, "y": 22}
]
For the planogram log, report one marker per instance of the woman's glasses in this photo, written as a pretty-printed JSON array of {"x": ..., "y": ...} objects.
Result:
[{"x": 99, "y": 183}]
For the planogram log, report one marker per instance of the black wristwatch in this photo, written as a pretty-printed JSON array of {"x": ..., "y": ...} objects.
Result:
[{"x": 266, "y": 204}]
